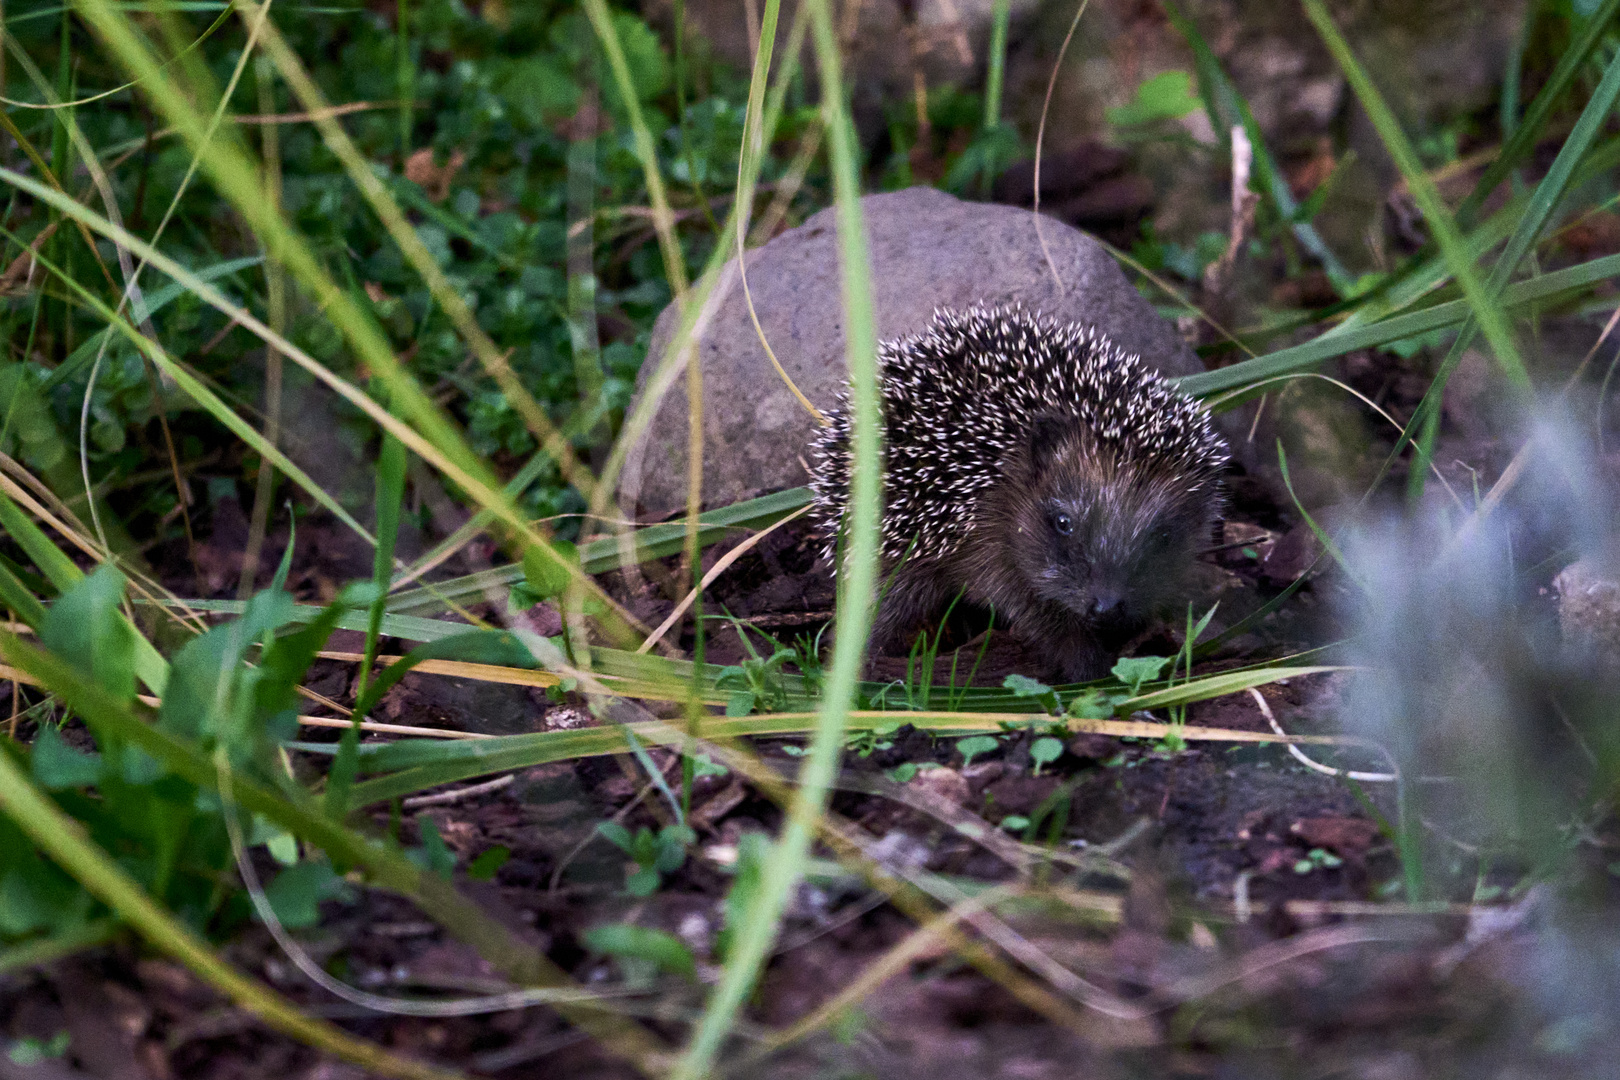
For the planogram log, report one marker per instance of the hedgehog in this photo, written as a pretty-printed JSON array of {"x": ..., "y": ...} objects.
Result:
[{"x": 1036, "y": 468}]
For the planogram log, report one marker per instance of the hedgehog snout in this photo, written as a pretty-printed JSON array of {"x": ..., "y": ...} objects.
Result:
[{"x": 1108, "y": 601}]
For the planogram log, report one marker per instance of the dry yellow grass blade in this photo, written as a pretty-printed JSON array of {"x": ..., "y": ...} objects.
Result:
[
  {"x": 720, "y": 567},
  {"x": 461, "y": 669},
  {"x": 15, "y": 675}
]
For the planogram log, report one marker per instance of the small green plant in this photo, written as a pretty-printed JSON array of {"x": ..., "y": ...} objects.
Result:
[
  {"x": 1025, "y": 687},
  {"x": 1044, "y": 751},
  {"x": 655, "y": 854},
  {"x": 1133, "y": 671},
  {"x": 1096, "y": 704},
  {"x": 877, "y": 737},
  {"x": 296, "y": 893},
  {"x": 756, "y": 683},
  {"x": 434, "y": 855},
  {"x": 1166, "y": 96},
  {"x": 488, "y": 863},
  {"x": 974, "y": 745},
  {"x": 29, "y": 1051},
  {"x": 1317, "y": 859},
  {"x": 230, "y": 689}
]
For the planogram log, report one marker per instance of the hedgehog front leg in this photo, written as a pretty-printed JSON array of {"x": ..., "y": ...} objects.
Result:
[{"x": 915, "y": 593}]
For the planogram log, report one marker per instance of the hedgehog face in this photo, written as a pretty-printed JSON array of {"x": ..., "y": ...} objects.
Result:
[{"x": 1109, "y": 542}]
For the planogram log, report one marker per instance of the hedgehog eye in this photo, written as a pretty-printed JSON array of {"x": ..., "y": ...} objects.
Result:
[{"x": 1064, "y": 524}]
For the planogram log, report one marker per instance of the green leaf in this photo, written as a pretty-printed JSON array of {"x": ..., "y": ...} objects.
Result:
[
  {"x": 433, "y": 855},
  {"x": 1095, "y": 704},
  {"x": 546, "y": 573},
  {"x": 1014, "y": 822},
  {"x": 1044, "y": 751},
  {"x": 34, "y": 894},
  {"x": 740, "y": 703},
  {"x": 85, "y": 627},
  {"x": 1166, "y": 96},
  {"x": 644, "y": 53},
  {"x": 57, "y": 766},
  {"x": 296, "y": 893},
  {"x": 974, "y": 745},
  {"x": 1025, "y": 687},
  {"x": 753, "y": 852},
  {"x": 657, "y": 947},
  {"x": 643, "y": 883},
  {"x": 1133, "y": 671},
  {"x": 488, "y": 863},
  {"x": 671, "y": 850},
  {"x": 211, "y": 690},
  {"x": 29, "y": 1052},
  {"x": 704, "y": 765},
  {"x": 537, "y": 89},
  {"x": 615, "y": 834},
  {"x": 903, "y": 772}
]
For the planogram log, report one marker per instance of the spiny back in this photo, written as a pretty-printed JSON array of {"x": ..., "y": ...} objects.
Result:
[{"x": 960, "y": 397}]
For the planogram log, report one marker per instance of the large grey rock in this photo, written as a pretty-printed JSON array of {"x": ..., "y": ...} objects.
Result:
[{"x": 928, "y": 250}]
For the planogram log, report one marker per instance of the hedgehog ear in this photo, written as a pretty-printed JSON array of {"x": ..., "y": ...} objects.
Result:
[{"x": 1045, "y": 436}]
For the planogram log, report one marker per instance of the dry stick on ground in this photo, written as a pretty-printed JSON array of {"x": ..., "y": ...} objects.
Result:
[{"x": 1316, "y": 766}]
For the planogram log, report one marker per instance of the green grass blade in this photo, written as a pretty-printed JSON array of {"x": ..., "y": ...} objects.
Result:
[
  {"x": 1000, "y": 16},
  {"x": 384, "y": 864},
  {"x": 857, "y": 581},
  {"x": 1426, "y": 196},
  {"x": 1215, "y": 84},
  {"x": 64, "y": 840},
  {"x": 1214, "y": 686},
  {"x": 1524, "y": 137},
  {"x": 599, "y": 556},
  {"x": 1543, "y": 201},
  {"x": 1301, "y": 357}
]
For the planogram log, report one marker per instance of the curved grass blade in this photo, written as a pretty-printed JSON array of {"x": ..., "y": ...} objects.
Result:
[
  {"x": 857, "y": 580},
  {"x": 386, "y": 865},
  {"x": 63, "y": 839}
]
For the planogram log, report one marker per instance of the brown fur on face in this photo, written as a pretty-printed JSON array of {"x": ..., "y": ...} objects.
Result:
[{"x": 1074, "y": 548}]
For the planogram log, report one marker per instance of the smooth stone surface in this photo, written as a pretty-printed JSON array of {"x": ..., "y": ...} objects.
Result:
[{"x": 928, "y": 250}]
